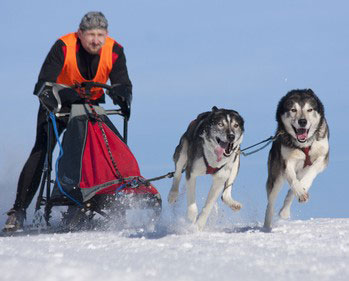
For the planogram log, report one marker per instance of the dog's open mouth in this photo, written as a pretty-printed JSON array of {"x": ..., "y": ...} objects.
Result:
[
  {"x": 302, "y": 134},
  {"x": 227, "y": 146}
]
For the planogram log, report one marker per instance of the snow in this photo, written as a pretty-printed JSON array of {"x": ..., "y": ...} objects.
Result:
[
  {"x": 242, "y": 55},
  {"x": 315, "y": 249}
]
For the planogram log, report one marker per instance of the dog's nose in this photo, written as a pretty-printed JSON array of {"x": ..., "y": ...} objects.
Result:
[
  {"x": 302, "y": 122},
  {"x": 230, "y": 137}
]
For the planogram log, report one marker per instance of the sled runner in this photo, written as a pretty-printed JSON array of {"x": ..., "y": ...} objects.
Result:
[{"x": 96, "y": 173}]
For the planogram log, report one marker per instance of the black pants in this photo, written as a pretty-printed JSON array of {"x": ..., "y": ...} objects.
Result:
[{"x": 30, "y": 177}]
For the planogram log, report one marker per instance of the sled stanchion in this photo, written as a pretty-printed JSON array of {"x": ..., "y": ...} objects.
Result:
[
  {"x": 49, "y": 170},
  {"x": 125, "y": 129},
  {"x": 39, "y": 200},
  {"x": 119, "y": 112}
]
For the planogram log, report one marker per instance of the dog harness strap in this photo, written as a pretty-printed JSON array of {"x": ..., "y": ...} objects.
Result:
[
  {"x": 210, "y": 170},
  {"x": 307, "y": 161}
]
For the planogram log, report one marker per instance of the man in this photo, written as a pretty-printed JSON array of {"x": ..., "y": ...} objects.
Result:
[{"x": 87, "y": 55}]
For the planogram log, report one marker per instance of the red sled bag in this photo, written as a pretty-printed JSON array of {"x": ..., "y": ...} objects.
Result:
[{"x": 96, "y": 161}]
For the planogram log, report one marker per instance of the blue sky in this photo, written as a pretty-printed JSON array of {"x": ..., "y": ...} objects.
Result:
[{"x": 183, "y": 58}]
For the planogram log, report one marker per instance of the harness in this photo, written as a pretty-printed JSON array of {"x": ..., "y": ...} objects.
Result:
[
  {"x": 307, "y": 161},
  {"x": 210, "y": 170}
]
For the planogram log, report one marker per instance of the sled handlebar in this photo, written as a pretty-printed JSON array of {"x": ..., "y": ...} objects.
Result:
[
  {"x": 89, "y": 85},
  {"x": 107, "y": 111}
]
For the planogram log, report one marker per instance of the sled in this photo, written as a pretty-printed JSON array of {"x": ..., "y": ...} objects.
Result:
[{"x": 97, "y": 176}]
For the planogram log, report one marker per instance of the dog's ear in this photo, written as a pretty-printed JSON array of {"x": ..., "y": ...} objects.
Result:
[{"x": 214, "y": 108}]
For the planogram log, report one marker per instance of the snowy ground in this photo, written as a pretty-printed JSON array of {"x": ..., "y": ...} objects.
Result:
[{"x": 316, "y": 249}]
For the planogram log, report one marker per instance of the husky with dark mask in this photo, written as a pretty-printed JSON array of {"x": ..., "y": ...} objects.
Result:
[
  {"x": 211, "y": 145},
  {"x": 300, "y": 151}
]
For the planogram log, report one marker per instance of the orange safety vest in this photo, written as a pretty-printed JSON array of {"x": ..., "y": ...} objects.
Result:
[{"x": 70, "y": 74}]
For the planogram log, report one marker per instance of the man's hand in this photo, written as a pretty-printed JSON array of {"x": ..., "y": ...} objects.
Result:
[
  {"x": 122, "y": 95},
  {"x": 47, "y": 98},
  {"x": 69, "y": 96},
  {"x": 63, "y": 97}
]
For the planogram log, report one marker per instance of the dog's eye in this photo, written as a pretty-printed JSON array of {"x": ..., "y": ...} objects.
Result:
[
  {"x": 310, "y": 110},
  {"x": 293, "y": 110},
  {"x": 220, "y": 124},
  {"x": 236, "y": 125}
]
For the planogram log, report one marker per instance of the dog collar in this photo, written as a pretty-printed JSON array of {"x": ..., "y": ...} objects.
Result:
[
  {"x": 307, "y": 161},
  {"x": 210, "y": 170}
]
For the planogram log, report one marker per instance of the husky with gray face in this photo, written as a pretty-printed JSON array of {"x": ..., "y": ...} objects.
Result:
[
  {"x": 210, "y": 145},
  {"x": 300, "y": 151}
]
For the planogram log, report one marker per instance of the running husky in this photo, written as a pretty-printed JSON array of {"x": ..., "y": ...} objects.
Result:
[
  {"x": 300, "y": 151},
  {"x": 210, "y": 145}
]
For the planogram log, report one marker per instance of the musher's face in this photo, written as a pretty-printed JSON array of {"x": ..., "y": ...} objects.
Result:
[{"x": 92, "y": 40}]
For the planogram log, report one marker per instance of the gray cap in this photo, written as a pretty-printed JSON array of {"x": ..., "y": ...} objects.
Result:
[{"x": 93, "y": 20}]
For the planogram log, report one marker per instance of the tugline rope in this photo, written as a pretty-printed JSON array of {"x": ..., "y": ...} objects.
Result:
[
  {"x": 268, "y": 141},
  {"x": 241, "y": 151}
]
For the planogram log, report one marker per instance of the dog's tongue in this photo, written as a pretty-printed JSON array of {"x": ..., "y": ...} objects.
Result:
[
  {"x": 302, "y": 134},
  {"x": 219, "y": 152}
]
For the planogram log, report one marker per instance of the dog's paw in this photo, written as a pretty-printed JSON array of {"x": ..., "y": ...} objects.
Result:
[
  {"x": 172, "y": 197},
  {"x": 301, "y": 194},
  {"x": 303, "y": 198},
  {"x": 236, "y": 206},
  {"x": 200, "y": 224},
  {"x": 192, "y": 213},
  {"x": 201, "y": 221},
  {"x": 285, "y": 214}
]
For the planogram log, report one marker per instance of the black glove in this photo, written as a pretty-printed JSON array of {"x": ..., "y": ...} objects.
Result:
[
  {"x": 48, "y": 99},
  {"x": 52, "y": 102},
  {"x": 69, "y": 96},
  {"x": 122, "y": 95}
]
